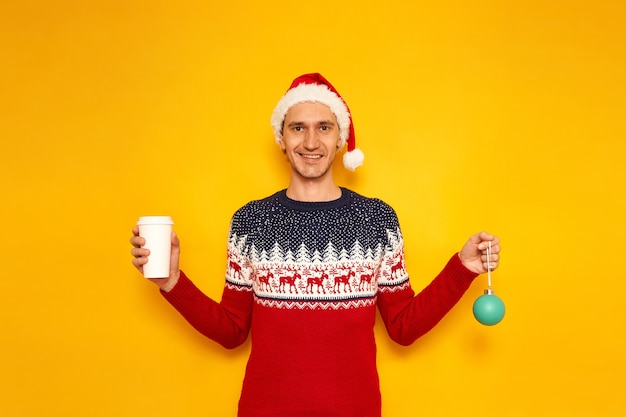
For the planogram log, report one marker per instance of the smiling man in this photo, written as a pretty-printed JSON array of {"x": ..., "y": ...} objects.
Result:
[{"x": 307, "y": 268}]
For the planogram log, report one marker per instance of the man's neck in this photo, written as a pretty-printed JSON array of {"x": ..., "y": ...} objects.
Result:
[{"x": 313, "y": 191}]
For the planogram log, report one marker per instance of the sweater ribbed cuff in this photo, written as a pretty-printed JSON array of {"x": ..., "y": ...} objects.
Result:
[
  {"x": 182, "y": 291},
  {"x": 459, "y": 272}
]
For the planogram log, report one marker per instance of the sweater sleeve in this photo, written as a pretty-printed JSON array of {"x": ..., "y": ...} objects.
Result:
[
  {"x": 226, "y": 322},
  {"x": 408, "y": 316}
]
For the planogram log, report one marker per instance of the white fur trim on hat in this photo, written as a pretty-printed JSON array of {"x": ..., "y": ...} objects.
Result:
[{"x": 315, "y": 93}]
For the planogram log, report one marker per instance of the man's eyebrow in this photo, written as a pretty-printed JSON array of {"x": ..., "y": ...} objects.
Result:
[{"x": 320, "y": 123}]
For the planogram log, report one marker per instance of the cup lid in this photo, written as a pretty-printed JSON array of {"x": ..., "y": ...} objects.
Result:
[{"x": 143, "y": 220}]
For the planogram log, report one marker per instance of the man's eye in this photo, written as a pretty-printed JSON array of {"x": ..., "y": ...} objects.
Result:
[{"x": 324, "y": 128}]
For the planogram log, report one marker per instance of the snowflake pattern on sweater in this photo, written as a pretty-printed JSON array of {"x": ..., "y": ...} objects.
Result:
[{"x": 328, "y": 255}]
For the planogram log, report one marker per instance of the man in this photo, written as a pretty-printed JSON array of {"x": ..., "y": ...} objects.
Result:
[{"x": 307, "y": 268}]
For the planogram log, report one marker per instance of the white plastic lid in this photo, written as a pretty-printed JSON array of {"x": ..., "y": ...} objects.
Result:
[{"x": 143, "y": 220}]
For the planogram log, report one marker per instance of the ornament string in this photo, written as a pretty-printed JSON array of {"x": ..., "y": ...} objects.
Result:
[{"x": 489, "y": 264}]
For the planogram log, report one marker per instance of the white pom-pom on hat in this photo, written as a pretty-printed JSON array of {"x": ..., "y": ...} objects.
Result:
[
  {"x": 353, "y": 159},
  {"x": 315, "y": 88}
]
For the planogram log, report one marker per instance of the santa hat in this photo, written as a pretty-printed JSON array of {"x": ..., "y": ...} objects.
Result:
[{"x": 315, "y": 88}]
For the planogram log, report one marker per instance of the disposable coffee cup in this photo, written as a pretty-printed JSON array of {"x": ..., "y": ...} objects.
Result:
[{"x": 157, "y": 231}]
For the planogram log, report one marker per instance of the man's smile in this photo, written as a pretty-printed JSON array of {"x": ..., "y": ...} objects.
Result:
[{"x": 307, "y": 156}]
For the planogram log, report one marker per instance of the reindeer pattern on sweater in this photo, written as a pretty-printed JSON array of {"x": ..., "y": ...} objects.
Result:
[{"x": 329, "y": 255}]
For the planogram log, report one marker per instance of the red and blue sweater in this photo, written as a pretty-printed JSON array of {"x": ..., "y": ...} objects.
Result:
[{"x": 304, "y": 280}]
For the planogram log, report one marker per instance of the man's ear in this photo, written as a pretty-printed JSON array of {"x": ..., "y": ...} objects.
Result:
[{"x": 282, "y": 146}]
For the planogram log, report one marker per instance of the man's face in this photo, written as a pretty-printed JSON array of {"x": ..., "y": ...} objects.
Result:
[{"x": 310, "y": 139}]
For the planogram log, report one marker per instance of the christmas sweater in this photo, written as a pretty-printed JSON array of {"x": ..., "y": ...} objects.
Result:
[{"x": 305, "y": 279}]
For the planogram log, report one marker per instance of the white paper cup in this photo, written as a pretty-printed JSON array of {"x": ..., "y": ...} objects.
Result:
[{"x": 157, "y": 230}]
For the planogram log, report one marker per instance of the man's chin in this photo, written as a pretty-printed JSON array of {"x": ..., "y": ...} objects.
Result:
[{"x": 312, "y": 173}]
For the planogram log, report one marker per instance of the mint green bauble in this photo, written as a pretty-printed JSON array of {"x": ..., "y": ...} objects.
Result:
[{"x": 488, "y": 309}]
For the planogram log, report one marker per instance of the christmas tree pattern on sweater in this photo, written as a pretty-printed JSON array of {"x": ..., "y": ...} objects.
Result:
[{"x": 331, "y": 255}]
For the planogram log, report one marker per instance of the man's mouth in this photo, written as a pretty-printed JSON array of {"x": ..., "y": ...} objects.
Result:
[{"x": 305, "y": 156}]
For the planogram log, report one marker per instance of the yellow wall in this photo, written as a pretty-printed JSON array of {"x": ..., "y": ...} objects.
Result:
[{"x": 507, "y": 116}]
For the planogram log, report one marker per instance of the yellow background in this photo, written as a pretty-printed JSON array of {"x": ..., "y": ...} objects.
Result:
[{"x": 498, "y": 115}]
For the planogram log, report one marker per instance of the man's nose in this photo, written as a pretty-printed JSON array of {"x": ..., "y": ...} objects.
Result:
[{"x": 311, "y": 140}]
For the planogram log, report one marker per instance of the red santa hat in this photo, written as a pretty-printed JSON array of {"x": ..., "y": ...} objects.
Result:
[{"x": 315, "y": 88}]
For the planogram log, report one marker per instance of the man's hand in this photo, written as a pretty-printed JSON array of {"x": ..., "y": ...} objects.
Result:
[{"x": 474, "y": 253}]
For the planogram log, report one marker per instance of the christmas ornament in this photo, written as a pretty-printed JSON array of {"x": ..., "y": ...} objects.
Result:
[{"x": 488, "y": 308}]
